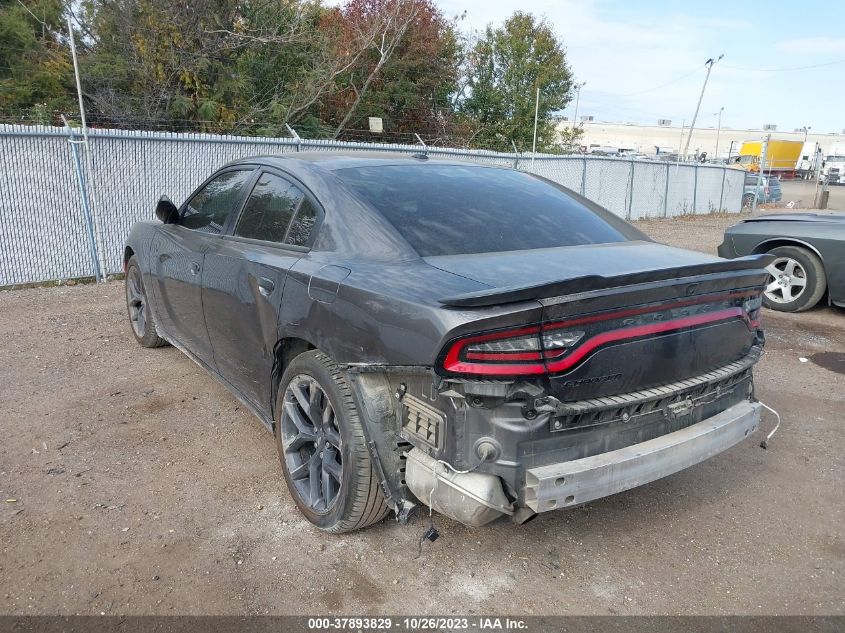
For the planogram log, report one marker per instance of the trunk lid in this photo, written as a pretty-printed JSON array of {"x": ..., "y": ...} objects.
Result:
[{"x": 640, "y": 314}]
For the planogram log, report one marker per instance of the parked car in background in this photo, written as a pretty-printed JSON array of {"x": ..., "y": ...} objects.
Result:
[
  {"x": 809, "y": 252},
  {"x": 766, "y": 188},
  {"x": 473, "y": 338}
]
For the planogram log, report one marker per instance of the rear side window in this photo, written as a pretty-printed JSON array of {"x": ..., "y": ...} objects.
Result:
[
  {"x": 269, "y": 209},
  {"x": 209, "y": 208},
  {"x": 452, "y": 210},
  {"x": 303, "y": 224}
]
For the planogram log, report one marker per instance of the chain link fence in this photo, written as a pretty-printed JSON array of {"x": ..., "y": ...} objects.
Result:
[{"x": 67, "y": 204}]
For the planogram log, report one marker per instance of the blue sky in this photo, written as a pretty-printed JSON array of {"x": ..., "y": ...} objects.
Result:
[{"x": 627, "y": 50}]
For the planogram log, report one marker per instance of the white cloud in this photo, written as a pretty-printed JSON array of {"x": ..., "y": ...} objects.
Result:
[{"x": 819, "y": 45}]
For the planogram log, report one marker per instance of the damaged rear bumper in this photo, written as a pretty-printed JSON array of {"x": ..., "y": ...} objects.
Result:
[
  {"x": 582, "y": 480},
  {"x": 476, "y": 499}
]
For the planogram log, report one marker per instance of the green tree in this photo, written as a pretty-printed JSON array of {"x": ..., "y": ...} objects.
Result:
[
  {"x": 405, "y": 74},
  {"x": 151, "y": 61},
  {"x": 36, "y": 75},
  {"x": 502, "y": 72}
]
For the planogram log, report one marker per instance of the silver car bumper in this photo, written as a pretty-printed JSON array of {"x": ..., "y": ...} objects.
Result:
[{"x": 581, "y": 480}]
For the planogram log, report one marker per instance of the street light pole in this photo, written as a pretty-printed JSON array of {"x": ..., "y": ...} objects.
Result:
[
  {"x": 709, "y": 63},
  {"x": 718, "y": 131},
  {"x": 577, "y": 99}
]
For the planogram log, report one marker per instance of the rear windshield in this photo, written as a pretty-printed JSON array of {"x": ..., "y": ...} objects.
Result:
[{"x": 455, "y": 210}]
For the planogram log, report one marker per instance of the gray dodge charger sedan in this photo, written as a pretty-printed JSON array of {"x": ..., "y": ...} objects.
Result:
[{"x": 476, "y": 339}]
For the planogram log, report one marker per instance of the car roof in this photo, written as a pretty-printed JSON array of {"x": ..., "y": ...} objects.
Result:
[{"x": 332, "y": 161}]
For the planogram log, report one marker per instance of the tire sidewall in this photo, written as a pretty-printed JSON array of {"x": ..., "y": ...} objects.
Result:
[
  {"x": 150, "y": 334},
  {"x": 811, "y": 267},
  {"x": 308, "y": 364}
]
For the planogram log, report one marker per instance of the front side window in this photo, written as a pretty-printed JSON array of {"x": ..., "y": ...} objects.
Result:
[
  {"x": 277, "y": 211},
  {"x": 208, "y": 210}
]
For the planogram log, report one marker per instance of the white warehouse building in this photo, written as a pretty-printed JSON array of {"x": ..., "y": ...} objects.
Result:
[{"x": 646, "y": 139}]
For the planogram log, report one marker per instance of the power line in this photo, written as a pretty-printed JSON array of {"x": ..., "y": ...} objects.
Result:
[
  {"x": 780, "y": 70},
  {"x": 668, "y": 83}
]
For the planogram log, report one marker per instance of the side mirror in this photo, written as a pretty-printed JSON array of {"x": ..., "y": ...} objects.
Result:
[{"x": 166, "y": 211}]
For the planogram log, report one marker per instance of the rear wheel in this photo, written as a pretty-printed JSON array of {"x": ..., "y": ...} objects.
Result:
[
  {"x": 796, "y": 280},
  {"x": 322, "y": 448},
  {"x": 140, "y": 317}
]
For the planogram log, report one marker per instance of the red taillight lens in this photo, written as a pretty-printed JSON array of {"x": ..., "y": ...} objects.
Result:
[
  {"x": 503, "y": 353},
  {"x": 515, "y": 352}
]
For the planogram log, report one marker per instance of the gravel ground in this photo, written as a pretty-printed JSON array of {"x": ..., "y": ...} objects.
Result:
[{"x": 131, "y": 482}]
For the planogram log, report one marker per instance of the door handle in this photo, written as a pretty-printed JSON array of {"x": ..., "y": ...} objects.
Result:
[
  {"x": 266, "y": 286},
  {"x": 195, "y": 269}
]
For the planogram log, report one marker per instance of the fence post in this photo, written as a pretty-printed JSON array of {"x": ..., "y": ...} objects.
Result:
[
  {"x": 722, "y": 192},
  {"x": 694, "y": 188},
  {"x": 630, "y": 191},
  {"x": 666, "y": 194},
  {"x": 86, "y": 208},
  {"x": 584, "y": 174}
]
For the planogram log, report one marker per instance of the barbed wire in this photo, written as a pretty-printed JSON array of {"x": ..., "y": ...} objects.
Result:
[{"x": 257, "y": 128}]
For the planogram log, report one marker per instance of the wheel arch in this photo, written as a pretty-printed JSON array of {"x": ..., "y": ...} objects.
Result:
[
  {"x": 767, "y": 245},
  {"x": 284, "y": 351},
  {"x": 128, "y": 252}
]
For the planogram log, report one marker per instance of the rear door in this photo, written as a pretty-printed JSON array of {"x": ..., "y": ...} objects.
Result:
[
  {"x": 244, "y": 278},
  {"x": 178, "y": 257}
]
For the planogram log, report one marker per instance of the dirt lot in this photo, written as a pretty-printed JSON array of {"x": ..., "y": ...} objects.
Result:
[{"x": 131, "y": 482}]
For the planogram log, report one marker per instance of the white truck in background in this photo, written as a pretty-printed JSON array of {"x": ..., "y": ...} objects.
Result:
[
  {"x": 833, "y": 166},
  {"x": 810, "y": 161}
]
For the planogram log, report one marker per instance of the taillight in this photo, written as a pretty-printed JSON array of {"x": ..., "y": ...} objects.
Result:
[
  {"x": 504, "y": 353},
  {"x": 521, "y": 351},
  {"x": 558, "y": 346}
]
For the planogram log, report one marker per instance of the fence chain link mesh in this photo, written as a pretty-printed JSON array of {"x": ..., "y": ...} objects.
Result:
[{"x": 43, "y": 230}]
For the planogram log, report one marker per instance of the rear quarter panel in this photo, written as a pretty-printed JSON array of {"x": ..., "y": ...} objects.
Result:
[{"x": 384, "y": 314}]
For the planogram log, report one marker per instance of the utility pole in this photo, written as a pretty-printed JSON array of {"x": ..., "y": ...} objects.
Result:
[
  {"x": 763, "y": 149},
  {"x": 78, "y": 82},
  {"x": 803, "y": 176},
  {"x": 709, "y": 63},
  {"x": 718, "y": 131},
  {"x": 536, "y": 112},
  {"x": 681, "y": 140}
]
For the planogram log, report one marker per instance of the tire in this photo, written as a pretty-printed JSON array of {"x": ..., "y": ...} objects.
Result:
[
  {"x": 141, "y": 320},
  {"x": 326, "y": 464},
  {"x": 796, "y": 280}
]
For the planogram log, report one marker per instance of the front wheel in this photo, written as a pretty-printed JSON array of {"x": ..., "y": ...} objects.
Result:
[
  {"x": 322, "y": 448},
  {"x": 140, "y": 317},
  {"x": 796, "y": 280}
]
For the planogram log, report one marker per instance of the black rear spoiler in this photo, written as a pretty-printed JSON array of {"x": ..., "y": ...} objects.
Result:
[{"x": 498, "y": 296}]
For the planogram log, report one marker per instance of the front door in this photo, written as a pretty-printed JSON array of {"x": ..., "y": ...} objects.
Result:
[
  {"x": 178, "y": 257},
  {"x": 244, "y": 278}
]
